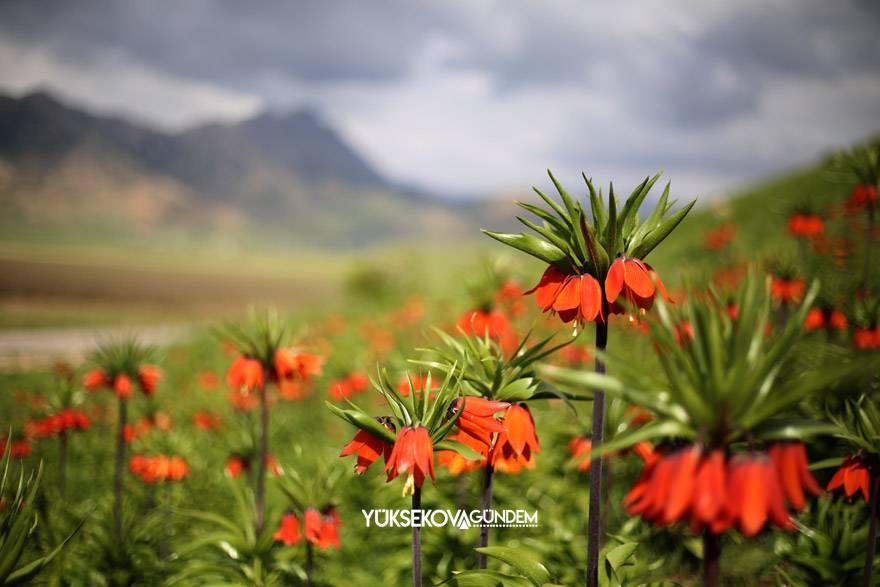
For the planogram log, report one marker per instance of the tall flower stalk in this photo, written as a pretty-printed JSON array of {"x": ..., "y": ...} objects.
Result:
[
  {"x": 263, "y": 360},
  {"x": 496, "y": 386},
  {"x": 419, "y": 423},
  {"x": 728, "y": 455},
  {"x": 120, "y": 368},
  {"x": 596, "y": 268}
]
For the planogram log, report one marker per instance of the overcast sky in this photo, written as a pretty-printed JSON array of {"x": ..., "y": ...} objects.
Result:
[{"x": 474, "y": 97}]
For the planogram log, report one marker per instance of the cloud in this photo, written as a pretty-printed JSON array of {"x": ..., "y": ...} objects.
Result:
[{"x": 468, "y": 97}]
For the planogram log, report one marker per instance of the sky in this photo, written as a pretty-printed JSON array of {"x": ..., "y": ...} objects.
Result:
[{"x": 475, "y": 98}]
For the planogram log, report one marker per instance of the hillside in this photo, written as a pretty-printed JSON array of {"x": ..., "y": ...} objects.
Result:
[{"x": 288, "y": 176}]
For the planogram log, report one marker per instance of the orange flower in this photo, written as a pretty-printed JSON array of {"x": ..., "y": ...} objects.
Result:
[
  {"x": 790, "y": 460},
  {"x": 313, "y": 524},
  {"x": 517, "y": 445},
  {"x": 289, "y": 363},
  {"x": 825, "y": 318},
  {"x": 718, "y": 238},
  {"x": 206, "y": 421},
  {"x": 863, "y": 196},
  {"x": 288, "y": 532},
  {"x": 368, "y": 449},
  {"x": 853, "y": 475},
  {"x": 122, "y": 386},
  {"x": 329, "y": 533},
  {"x": 580, "y": 448},
  {"x": 245, "y": 373},
  {"x": 477, "y": 417},
  {"x": 95, "y": 380},
  {"x": 177, "y": 468},
  {"x": 458, "y": 464},
  {"x": 510, "y": 296},
  {"x": 690, "y": 485},
  {"x": 632, "y": 278},
  {"x": 480, "y": 323},
  {"x": 802, "y": 225},
  {"x": 413, "y": 456},
  {"x": 350, "y": 385},
  {"x": 787, "y": 291},
  {"x": 208, "y": 380},
  {"x": 418, "y": 384},
  {"x": 236, "y": 465},
  {"x": 149, "y": 377},
  {"x": 866, "y": 338},
  {"x": 572, "y": 297},
  {"x": 20, "y": 448}
]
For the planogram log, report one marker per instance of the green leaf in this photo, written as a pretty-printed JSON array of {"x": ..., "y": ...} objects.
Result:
[
  {"x": 656, "y": 236},
  {"x": 462, "y": 449},
  {"x": 519, "y": 390},
  {"x": 530, "y": 245},
  {"x": 486, "y": 578},
  {"x": 521, "y": 560}
]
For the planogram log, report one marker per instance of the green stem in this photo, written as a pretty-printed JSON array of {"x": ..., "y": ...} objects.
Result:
[
  {"x": 485, "y": 505},
  {"x": 871, "y": 551},
  {"x": 261, "y": 470},
  {"x": 417, "y": 540},
  {"x": 119, "y": 469},
  {"x": 594, "y": 529}
]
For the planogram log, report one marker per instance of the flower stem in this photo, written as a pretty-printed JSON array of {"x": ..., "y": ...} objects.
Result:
[
  {"x": 120, "y": 464},
  {"x": 594, "y": 530},
  {"x": 485, "y": 505},
  {"x": 869, "y": 249},
  {"x": 871, "y": 551},
  {"x": 309, "y": 563},
  {"x": 62, "y": 464},
  {"x": 711, "y": 559},
  {"x": 261, "y": 470},
  {"x": 417, "y": 540}
]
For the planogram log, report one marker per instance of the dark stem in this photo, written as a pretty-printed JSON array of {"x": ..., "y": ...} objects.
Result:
[
  {"x": 594, "y": 530},
  {"x": 309, "y": 563},
  {"x": 62, "y": 464},
  {"x": 871, "y": 551},
  {"x": 485, "y": 505},
  {"x": 120, "y": 467},
  {"x": 417, "y": 540},
  {"x": 869, "y": 248},
  {"x": 264, "y": 454},
  {"x": 711, "y": 559}
]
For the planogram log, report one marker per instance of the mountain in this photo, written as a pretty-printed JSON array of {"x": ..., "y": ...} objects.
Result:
[{"x": 288, "y": 176}]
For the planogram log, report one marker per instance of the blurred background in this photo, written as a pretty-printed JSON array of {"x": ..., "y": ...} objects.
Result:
[{"x": 165, "y": 165}]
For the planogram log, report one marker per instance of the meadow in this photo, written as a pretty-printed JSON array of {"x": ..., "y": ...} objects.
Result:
[{"x": 357, "y": 332}]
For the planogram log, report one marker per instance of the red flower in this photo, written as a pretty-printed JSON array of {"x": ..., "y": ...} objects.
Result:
[
  {"x": 289, "y": 364},
  {"x": 635, "y": 280},
  {"x": 122, "y": 386},
  {"x": 805, "y": 225},
  {"x": 825, "y": 318},
  {"x": 863, "y": 196},
  {"x": 510, "y": 296},
  {"x": 19, "y": 449},
  {"x": 787, "y": 291},
  {"x": 718, "y": 238},
  {"x": 368, "y": 449},
  {"x": 350, "y": 385},
  {"x": 313, "y": 524},
  {"x": 149, "y": 377},
  {"x": 245, "y": 373},
  {"x": 457, "y": 463},
  {"x": 235, "y": 465},
  {"x": 208, "y": 380},
  {"x": 689, "y": 485},
  {"x": 853, "y": 475},
  {"x": 580, "y": 448},
  {"x": 413, "y": 456},
  {"x": 206, "y": 421},
  {"x": 418, "y": 384},
  {"x": 177, "y": 468},
  {"x": 866, "y": 338},
  {"x": 517, "y": 445},
  {"x": 790, "y": 460},
  {"x": 477, "y": 417},
  {"x": 95, "y": 380},
  {"x": 329, "y": 533},
  {"x": 573, "y": 297},
  {"x": 288, "y": 532}
]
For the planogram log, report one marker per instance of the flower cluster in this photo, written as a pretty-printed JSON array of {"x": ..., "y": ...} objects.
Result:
[
  {"x": 319, "y": 528},
  {"x": 121, "y": 383},
  {"x": 159, "y": 468},
  {"x": 805, "y": 225},
  {"x": 853, "y": 475},
  {"x": 348, "y": 386},
  {"x": 56, "y": 424},
  {"x": 714, "y": 491}
]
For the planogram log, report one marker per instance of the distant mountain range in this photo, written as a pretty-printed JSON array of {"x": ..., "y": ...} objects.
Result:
[{"x": 274, "y": 174}]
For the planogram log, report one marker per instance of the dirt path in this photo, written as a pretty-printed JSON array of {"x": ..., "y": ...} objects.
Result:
[{"x": 28, "y": 349}]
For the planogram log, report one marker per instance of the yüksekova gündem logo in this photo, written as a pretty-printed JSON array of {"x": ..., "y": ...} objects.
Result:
[{"x": 461, "y": 519}]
